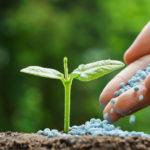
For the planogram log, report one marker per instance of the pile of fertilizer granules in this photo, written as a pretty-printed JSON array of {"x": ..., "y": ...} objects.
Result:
[{"x": 93, "y": 127}]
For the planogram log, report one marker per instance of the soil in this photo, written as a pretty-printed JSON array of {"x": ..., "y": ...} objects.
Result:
[{"x": 34, "y": 141}]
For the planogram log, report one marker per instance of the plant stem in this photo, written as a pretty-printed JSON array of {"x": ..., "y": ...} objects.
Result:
[
  {"x": 67, "y": 106},
  {"x": 67, "y": 84}
]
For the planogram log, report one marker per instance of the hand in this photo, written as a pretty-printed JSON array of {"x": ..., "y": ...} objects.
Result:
[{"x": 138, "y": 57}]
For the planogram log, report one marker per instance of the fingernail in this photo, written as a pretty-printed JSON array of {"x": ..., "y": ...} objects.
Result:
[{"x": 103, "y": 104}]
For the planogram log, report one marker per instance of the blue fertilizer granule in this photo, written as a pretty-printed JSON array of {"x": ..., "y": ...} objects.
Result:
[
  {"x": 116, "y": 93},
  {"x": 121, "y": 91},
  {"x": 94, "y": 127},
  {"x": 112, "y": 101},
  {"x": 141, "y": 97},
  {"x": 106, "y": 116},
  {"x": 111, "y": 110},
  {"x": 122, "y": 84},
  {"x": 136, "y": 88},
  {"x": 132, "y": 119}
]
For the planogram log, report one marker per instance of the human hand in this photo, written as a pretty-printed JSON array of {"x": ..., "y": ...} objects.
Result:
[{"x": 138, "y": 57}]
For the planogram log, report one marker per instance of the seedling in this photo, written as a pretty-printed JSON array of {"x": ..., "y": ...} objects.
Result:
[{"x": 85, "y": 72}]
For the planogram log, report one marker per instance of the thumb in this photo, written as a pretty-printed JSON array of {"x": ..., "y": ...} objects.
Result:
[
  {"x": 140, "y": 47},
  {"x": 147, "y": 82}
]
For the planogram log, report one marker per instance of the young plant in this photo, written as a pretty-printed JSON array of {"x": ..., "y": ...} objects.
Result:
[{"x": 85, "y": 72}]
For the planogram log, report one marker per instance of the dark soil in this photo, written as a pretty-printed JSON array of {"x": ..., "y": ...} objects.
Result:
[{"x": 24, "y": 141}]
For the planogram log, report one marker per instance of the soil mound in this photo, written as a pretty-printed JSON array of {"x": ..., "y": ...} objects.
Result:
[{"x": 34, "y": 141}]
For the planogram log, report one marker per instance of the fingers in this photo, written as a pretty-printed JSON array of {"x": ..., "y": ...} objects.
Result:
[
  {"x": 123, "y": 76},
  {"x": 140, "y": 47},
  {"x": 128, "y": 103}
]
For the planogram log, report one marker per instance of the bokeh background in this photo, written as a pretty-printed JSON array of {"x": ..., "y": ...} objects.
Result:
[{"x": 42, "y": 32}]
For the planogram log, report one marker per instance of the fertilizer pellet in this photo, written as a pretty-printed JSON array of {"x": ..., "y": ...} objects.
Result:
[
  {"x": 116, "y": 93},
  {"x": 40, "y": 132},
  {"x": 121, "y": 91},
  {"x": 141, "y": 97},
  {"x": 132, "y": 119},
  {"x": 111, "y": 110},
  {"x": 106, "y": 116},
  {"x": 112, "y": 101},
  {"x": 136, "y": 88},
  {"x": 122, "y": 84},
  {"x": 94, "y": 127}
]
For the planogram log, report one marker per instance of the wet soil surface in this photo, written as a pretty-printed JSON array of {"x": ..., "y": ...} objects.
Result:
[{"x": 24, "y": 141}]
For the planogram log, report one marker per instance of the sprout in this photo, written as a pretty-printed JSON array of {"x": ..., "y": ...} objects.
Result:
[{"x": 84, "y": 72}]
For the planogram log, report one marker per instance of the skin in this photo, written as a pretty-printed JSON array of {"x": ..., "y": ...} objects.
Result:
[{"x": 136, "y": 57}]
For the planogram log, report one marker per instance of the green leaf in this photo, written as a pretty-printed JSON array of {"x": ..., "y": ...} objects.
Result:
[
  {"x": 43, "y": 72},
  {"x": 95, "y": 70}
]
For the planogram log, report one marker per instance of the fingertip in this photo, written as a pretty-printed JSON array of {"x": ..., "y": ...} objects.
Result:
[
  {"x": 140, "y": 47},
  {"x": 103, "y": 99},
  {"x": 127, "y": 57},
  {"x": 106, "y": 95},
  {"x": 110, "y": 113}
]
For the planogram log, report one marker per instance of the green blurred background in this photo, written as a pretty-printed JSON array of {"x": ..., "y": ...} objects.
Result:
[{"x": 42, "y": 32}]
